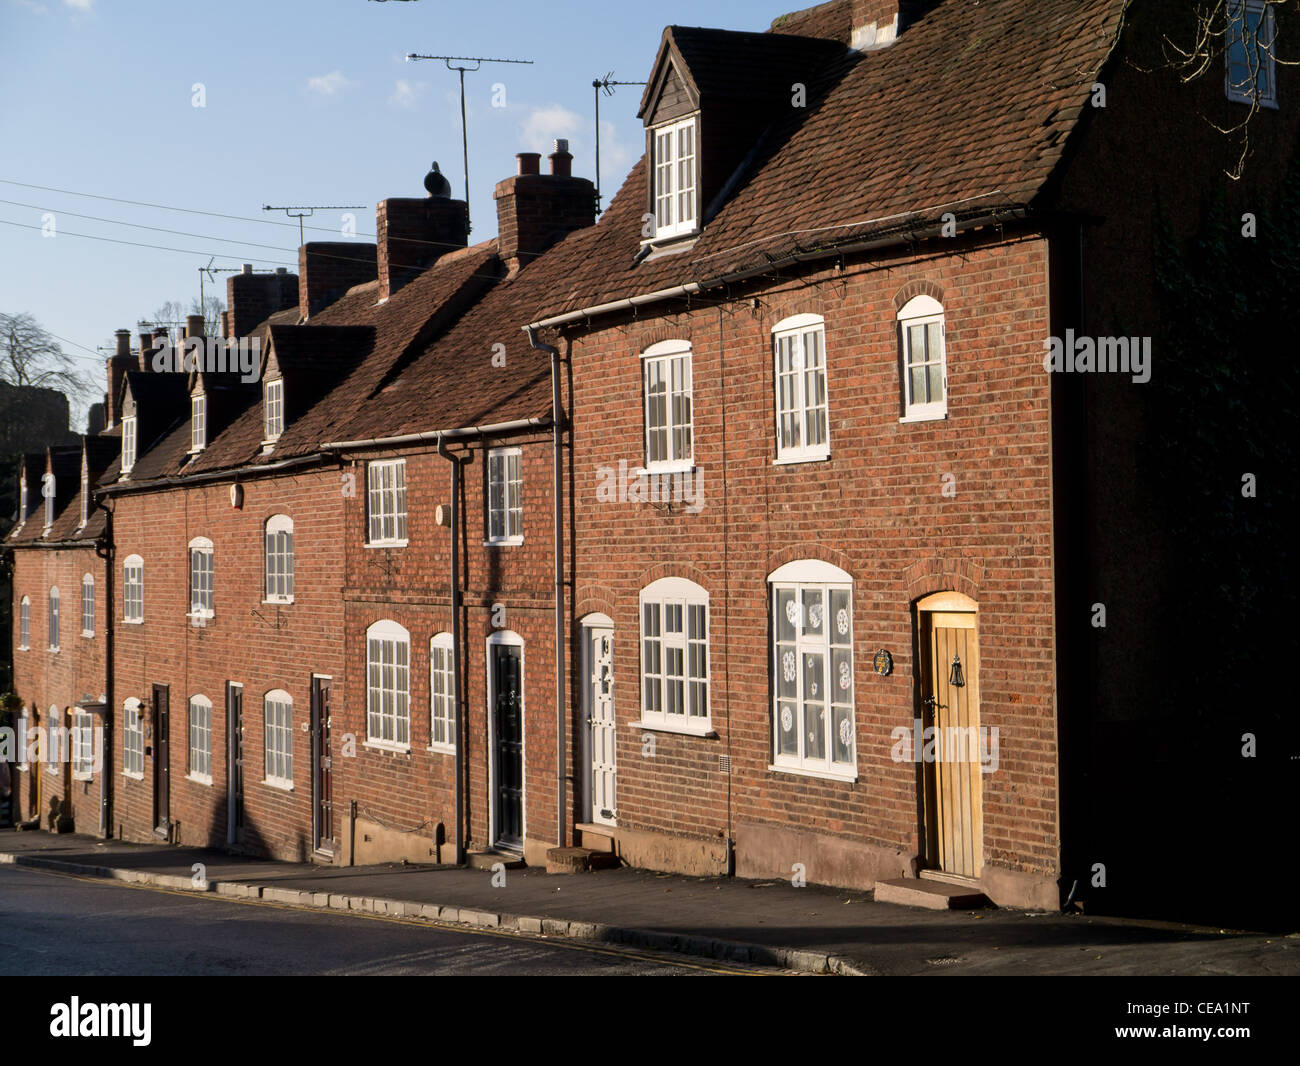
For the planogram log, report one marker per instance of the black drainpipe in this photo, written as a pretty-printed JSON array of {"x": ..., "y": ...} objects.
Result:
[
  {"x": 106, "y": 551},
  {"x": 557, "y": 429},
  {"x": 461, "y": 766}
]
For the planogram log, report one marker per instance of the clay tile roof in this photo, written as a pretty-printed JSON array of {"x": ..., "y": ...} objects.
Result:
[{"x": 968, "y": 111}]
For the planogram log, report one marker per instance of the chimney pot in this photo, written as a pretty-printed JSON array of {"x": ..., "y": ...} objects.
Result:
[
  {"x": 247, "y": 268},
  {"x": 194, "y": 325},
  {"x": 123, "y": 339},
  {"x": 561, "y": 160},
  {"x": 529, "y": 162}
]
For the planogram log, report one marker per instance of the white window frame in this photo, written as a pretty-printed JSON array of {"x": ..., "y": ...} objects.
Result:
[
  {"x": 505, "y": 496},
  {"x": 277, "y": 711},
  {"x": 669, "y": 357},
  {"x": 83, "y": 744},
  {"x": 273, "y": 410},
  {"x": 133, "y": 739},
  {"x": 52, "y": 617},
  {"x": 922, "y": 311},
  {"x": 22, "y": 501},
  {"x": 48, "y": 488},
  {"x": 795, "y": 332},
  {"x": 198, "y": 422},
  {"x": 681, "y": 171},
  {"x": 25, "y": 624},
  {"x": 85, "y": 493},
  {"x": 87, "y": 605},
  {"x": 202, "y": 578},
  {"x": 442, "y": 695},
  {"x": 690, "y": 602},
  {"x": 386, "y": 503},
  {"x": 797, "y": 654},
  {"x": 129, "y": 443},
  {"x": 199, "y": 722},
  {"x": 133, "y": 590},
  {"x": 1262, "y": 43},
  {"x": 22, "y": 729},
  {"x": 388, "y": 681},
  {"x": 278, "y": 562}
]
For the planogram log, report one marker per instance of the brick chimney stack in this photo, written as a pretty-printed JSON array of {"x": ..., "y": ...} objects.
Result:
[
  {"x": 875, "y": 23},
  {"x": 412, "y": 234},
  {"x": 194, "y": 325},
  {"x": 536, "y": 211},
  {"x": 327, "y": 269},
  {"x": 252, "y": 298},
  {"x": 117, "y": 365}
]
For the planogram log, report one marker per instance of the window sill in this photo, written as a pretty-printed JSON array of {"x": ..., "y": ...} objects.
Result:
[
  {"x": 53, "y": 648},
  {"x": 200, "y": 779},
  {"x": 442, "y": 749},
  {"x": 24, "y": 647},
  {"x": 659, "y": 471},
  {"x": 941, "y": 416},
  {"x": 794, "y": 460},
  {"x": 89, "y": 634},
  {"x": 504, "y": 542},
  {"x": 280, "y": 783},
  {"x": 279, "y": 602},
  {"x": 82, "y": 775},
  {"x": 133, "y": 621},
  {"x": 133, "y": 775},
  {"x": 687, "y": 728},
  {"x": 664, "y": 243},
  {"x": 388, "y": 746},
  {"x": 386, "y": 543},
  {"x": 847, "y": 777}
]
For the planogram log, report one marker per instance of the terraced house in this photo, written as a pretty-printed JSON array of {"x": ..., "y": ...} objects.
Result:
[{"x": 781, "y": 523}]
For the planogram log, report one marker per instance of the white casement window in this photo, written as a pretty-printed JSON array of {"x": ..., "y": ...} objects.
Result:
[
  {"x": 386, "y": 502},
  {"x": 133, "y": 589},
  {"x": 673, "y": 148},
  {"x": 25, "y": 624},
  {"x": 813, "y": 725},
  {"x": 54, "y": 618},
  {"x": 279, "y": 739},
  {"x": 675, "y": 655},
  {"x": 198, "y": 422},
  {"x": 669, "y": 432},
  {"x": 200, "y": 766},
  {"x": 279, "y": 559},
  {"x": 925, "y": 373},
  {"x": 802, "y": 425},
  {"x": 273, "y": 410},
  {"x": 128, "y": 443},
  {"x": 505, "y": 496},
  {"x": 48, "y": 490},
  {"x": 201, "y": 574},
  {"x": 22, "y": 501},
  {"x": 1252, "y": 68},
  {"x": 22, "y": 739},
  {"x": 442, "y": 695},
  {"x": 83, "y": 744},
  {"x": 87, "y": 606},
  {"x": 388, "y": 686},
  {"x": 132, "y": 739}
]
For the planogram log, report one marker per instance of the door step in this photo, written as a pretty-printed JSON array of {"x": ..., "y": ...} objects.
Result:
[
  {"x": 578, "y": 860},
  {"x": 485, "y": 860},
  {"x": 933, "y": 895},
  {"x": 595, "y": 836},
  {"x": 943, "y": 877}
]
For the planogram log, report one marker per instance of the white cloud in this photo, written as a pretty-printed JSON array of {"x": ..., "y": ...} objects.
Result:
[
  {"x": 406, "y": 93},
  {"x": 33, "y": 5},
  {"x": 543, "y": 124},
  {"x": 330, "y": 84},
  {"x": 80, "y": 5}
]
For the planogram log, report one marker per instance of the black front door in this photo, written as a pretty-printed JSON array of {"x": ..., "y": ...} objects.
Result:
[
  {"x": 235, "y": 763},
  {"x": 508, "y": 742},
  {"x": 161, "y": 761},
  {"x": 322, "y": 808}
]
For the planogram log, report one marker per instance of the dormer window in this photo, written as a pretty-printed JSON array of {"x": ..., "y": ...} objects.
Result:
[
  {"x": 85, "y": 492},
  {"x": 273, "y": 410},
  {"x": 22, "y": 501},
  {"x": 47, "y": 490},
  {"x": 128, "y": 443},
  {"x": 198, "y": 422},
  {"x": 674, "y": 187}
]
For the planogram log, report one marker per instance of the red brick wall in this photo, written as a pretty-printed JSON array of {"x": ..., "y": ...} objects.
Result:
[
  {"x": 875, "y": 509},
  {"x": 261, "y": 645},
  {"x": 43, "y": 678}
]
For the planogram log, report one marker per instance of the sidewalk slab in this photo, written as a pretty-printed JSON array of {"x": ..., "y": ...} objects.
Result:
[{"x": 812, "y": 929}]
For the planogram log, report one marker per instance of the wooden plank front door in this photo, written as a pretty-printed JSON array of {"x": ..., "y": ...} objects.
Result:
[
  {"x": 506, "y": 668},
  {"x": 598, "y": 648},
  {"x": 322, "y": 767},
  {"x": 234, "y": 763},
  {"x": 951, "y": 754}
]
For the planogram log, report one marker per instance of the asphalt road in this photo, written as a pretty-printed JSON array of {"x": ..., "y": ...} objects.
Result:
[{"x": 53, "y": 924}]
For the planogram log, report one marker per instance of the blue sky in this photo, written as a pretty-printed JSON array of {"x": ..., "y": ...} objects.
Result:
[{"x": 304, "y": 103}]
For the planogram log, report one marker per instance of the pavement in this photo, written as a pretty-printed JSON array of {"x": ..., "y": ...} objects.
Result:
[{"x": 771, "y": 923}]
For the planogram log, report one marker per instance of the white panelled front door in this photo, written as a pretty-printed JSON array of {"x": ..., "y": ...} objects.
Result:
[{"x": 598, "y": 653}]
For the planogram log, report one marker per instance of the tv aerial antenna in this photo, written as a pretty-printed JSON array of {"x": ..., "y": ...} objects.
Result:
[
  {"x": 306, "y": 212},
  {"x": 453, "y": 63},
  {"x": 607, "y": 83}
]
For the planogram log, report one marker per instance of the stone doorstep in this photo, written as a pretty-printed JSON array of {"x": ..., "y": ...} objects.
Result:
[
  {"x": 595, "y": 837},
  {"x": 578, "y": 860},
  {"x": 932, "y": 895},
  {"x": 485, "y": 860}
]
